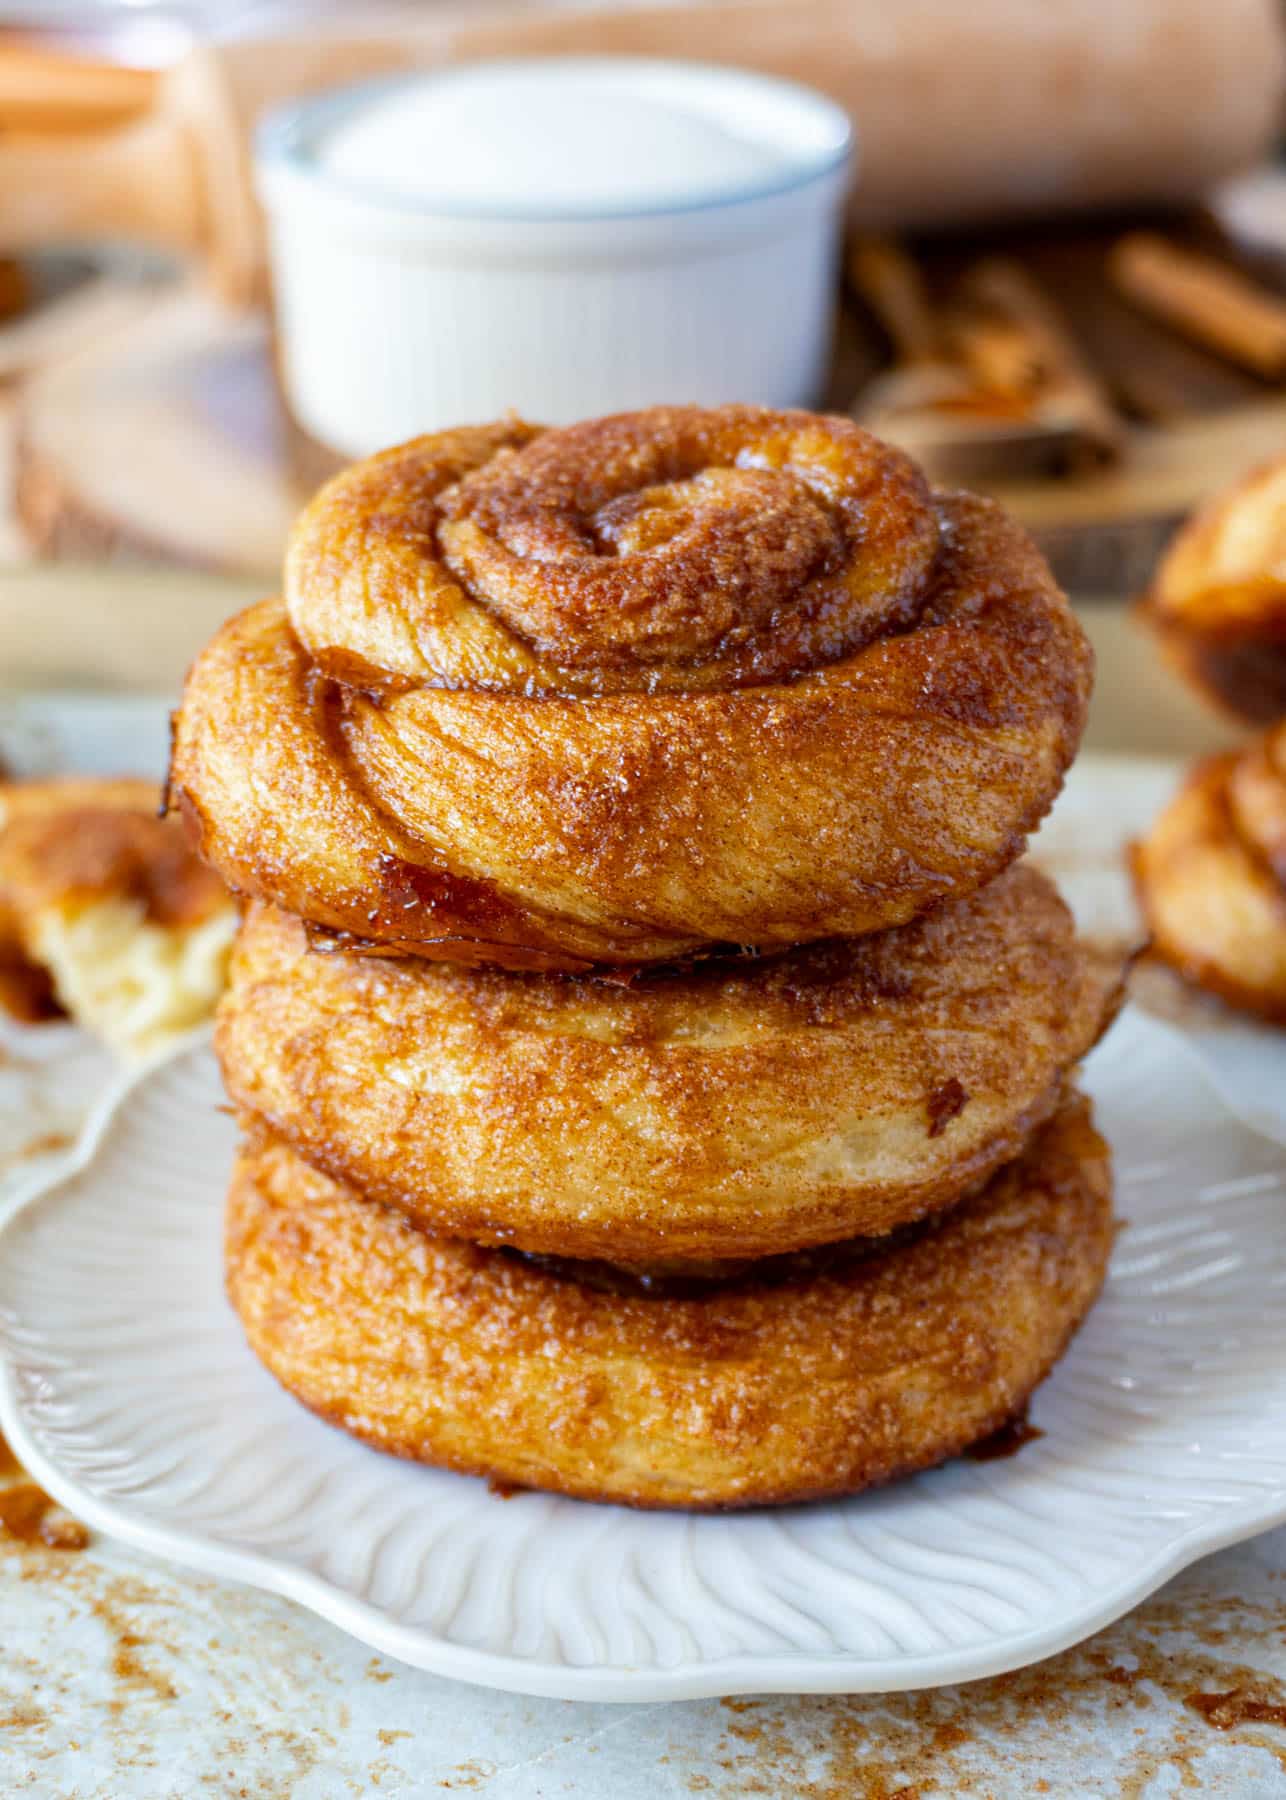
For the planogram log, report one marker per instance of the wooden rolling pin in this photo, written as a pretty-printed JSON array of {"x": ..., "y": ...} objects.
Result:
[
  {"x": 993, "y": 110},
  {"x": 48, "y": 91}
]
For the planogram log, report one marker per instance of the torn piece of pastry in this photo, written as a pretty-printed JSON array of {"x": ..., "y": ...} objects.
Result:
[
  {"x": 734, "y": 1109},
  {"x": 1218, "y": 602},
  {"x": 105, "y": 909},
  {"x": 1206, "y": 881},
  {"x": 765, "y": 1390}
]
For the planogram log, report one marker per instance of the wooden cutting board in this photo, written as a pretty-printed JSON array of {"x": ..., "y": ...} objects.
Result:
[{"x": 158, "y": 440}]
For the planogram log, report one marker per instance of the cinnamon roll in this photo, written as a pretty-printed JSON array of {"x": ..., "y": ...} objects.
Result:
[
  {"x": 1211, "y": 878},
  {"x": 733, "y": 1109},
  {"x": 1218, "y": 602},
  {"x": 107, "y": 913},
  {"x": 626, "y": 691},
  {"x": 753, "y": 1393}
]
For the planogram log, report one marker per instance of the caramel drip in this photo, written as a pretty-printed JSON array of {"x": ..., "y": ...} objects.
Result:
[{"x": 1008, "y": 1441}]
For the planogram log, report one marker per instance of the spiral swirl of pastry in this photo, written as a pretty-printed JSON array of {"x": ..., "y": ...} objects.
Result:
[{"x": 621, "y": 692}]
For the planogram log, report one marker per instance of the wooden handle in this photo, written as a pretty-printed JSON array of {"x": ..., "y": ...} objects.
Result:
[
  {"x": 43, "y": 91},
  {"x": 139, "y": 183},
  {"x": 1204, "y": 299}
]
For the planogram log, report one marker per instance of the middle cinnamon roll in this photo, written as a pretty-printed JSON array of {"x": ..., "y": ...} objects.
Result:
[
  {"x": 626, "y": 691},
  {"x": 736, "y": 1109}
]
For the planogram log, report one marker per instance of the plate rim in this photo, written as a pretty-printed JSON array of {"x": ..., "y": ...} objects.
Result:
[{"x": 776, "y": 1673}]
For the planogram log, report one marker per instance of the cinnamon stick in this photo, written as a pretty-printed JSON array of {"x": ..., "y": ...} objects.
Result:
[
  {"x": 885, "y": 277},
  {"x": 1013, "y": 339},
  {"x": 1206, "y": 300}
]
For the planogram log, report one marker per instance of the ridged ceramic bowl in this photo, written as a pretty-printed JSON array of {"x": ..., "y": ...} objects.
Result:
[{"x": 398, "y": 314}]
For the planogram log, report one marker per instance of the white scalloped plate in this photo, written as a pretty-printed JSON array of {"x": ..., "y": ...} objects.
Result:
[{"x": 127, "y": 1390}]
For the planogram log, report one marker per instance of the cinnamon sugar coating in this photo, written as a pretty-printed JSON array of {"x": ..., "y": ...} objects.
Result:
[
  {"x": 755, "y": 1393},
  {"x": 731, "y": 1110},
  {"x": 627, "y": 691}
]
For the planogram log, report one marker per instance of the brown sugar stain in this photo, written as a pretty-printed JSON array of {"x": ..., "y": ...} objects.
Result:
[
  {"x": 1236, "y": 1707},
  {"x": 24, "y": 1717},
  {"x": 135, "y": 1676},
  {"x": 944, "y": 1741},
  {"x": 151, "y": 1628},
  {"x": 470, "y": 1776}
]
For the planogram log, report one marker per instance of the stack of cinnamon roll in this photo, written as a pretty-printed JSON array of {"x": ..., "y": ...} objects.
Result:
[{"x": 655, "y": 1069}]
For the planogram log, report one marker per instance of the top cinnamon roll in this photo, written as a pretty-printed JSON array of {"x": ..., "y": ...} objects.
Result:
[{"x": 621, "y": 692}]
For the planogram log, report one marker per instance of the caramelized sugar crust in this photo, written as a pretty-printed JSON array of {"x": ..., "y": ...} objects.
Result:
[
  {"x": 626, "y": 691},
  {"x": 1219, "y": 599},
  {"x": 729, "y": 1110},
  {"x": 1211, "y": 878},
  {"x": 755, "y": 1393}
]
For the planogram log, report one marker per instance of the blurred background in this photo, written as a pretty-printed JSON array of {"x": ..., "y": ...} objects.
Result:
[{"x": 242, "y": 243}]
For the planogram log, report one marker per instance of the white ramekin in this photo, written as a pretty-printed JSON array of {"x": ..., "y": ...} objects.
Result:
[{"x": 396, "y": 316}]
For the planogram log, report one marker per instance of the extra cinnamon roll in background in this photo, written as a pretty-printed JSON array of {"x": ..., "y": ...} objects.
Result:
[
  {"x": 734, "y": 1109},
  {"x": 626, "y": 691},
  {"x": 1218, "y": 603},
  {"x": 1211, "y": 878},
  {"x": 760, "y": 1392}
]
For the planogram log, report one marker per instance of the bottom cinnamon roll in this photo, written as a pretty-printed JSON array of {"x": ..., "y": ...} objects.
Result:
[
  {"x": 1209, "y": 878},
  {"x": 800, "y": 1386}
]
